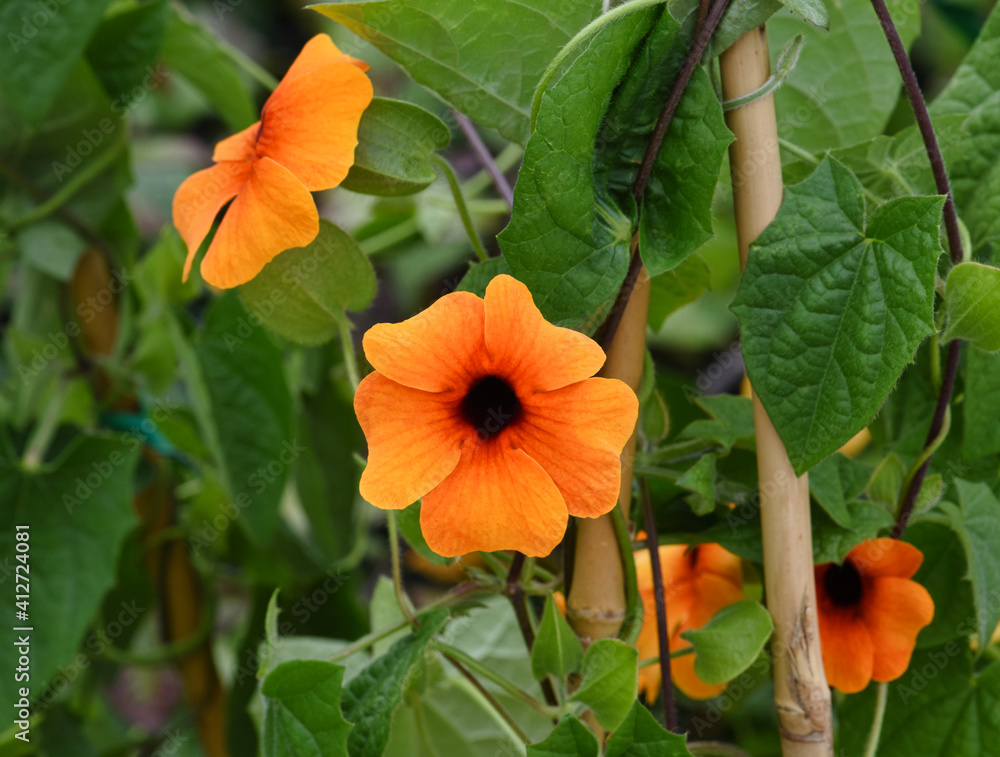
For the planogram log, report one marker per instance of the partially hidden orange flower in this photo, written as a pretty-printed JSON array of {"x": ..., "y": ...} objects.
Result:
[
  {"x": 487, "y": 411},
  {"x": 304, "y": 142},
  {"x": 870, "y": 613},
  {"x": 697, "y": 582}
]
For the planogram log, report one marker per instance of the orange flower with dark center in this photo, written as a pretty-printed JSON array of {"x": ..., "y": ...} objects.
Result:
[
  {"x": 870, "y": 613},
  {"x": 697, "y": 583},
  {"x": 304, "y": 142},
  {"x": 487, "y": 411}
]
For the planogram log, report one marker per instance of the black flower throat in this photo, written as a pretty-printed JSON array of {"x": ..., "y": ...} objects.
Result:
[
  {"x": 843, "y": 584},
  {"x": 491, "y": 406}
]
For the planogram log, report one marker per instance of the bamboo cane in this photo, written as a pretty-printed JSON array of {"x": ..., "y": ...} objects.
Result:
[
  {"x": 595, "y": 606},
  {"x": 801, "y": 694},
  {"x": 169, "y": 564}
]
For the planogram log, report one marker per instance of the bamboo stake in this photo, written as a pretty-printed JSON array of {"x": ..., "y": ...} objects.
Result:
[
  {"x": 169, "y": 564},
  {"x": 801, "y": 694},
  {"x": 595, "y": 606}
]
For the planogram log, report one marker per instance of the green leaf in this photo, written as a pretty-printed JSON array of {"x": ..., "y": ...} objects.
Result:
[
  {"x": 124, "y": 49},
  {"x": 831, "y": 542},
  {"x": 641, "y": 735},
  {"x": 569, "y": 244},
  {"x": 832, "y": 309},
  {"x": 972, "y": 300},
  {"x": 409, "y": 526},
  {"x": 557, "y": 650},
  {"x": 939, "y": 708},
  {"x": 846, "y": 83},
  {"x": 834, "y": 482},
  {"x": 610, "y": 680},
  {"x": 978, "y": 77},
  {"x": 570, "y": 738},
  {"x": 371, "y": 697},
  {"x": 700, "y": 480},
  {"x": 302, "y": 711},
  {"x": 52, "y": 246},
  {"x": 977, "y": 523},
  {"x": 250, "y": 414},
  {"x": 887, "y": 481},
  {"x": 79, "y": 509},
  {"x": 42, "y": 43},
  {"x": 813, "y": 11},
  {"x": 730, "y": 642},
  {"x": 672, "y": 224},
  {"x": 982, "y": 403},
  {"x": 449, "y": 717},
  {"x": 943, "y": 574},
  {"x": 194, "y": 53},
  {"x": 395, "y": 142},
  {"x": 731, "y": 421},
  {"x": 303, "y": 292},
  {"x": 462, "y": 50},
  {"x": 479, "y": 275},
  {"x": 676, "y": 288},
  {"x": 738, "y": 19}
]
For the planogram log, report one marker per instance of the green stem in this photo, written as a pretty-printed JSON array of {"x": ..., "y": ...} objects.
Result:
[
  {"x": 463, "y": 210},
  {"x": 46, "y": 427},
  {"x": 505, "y": 161},
  {"x": 787, "y": 59},
  {"x": 74, "y": 184},
  {"x": 799, "y": 152},
  {"x": 673, "y": 656},
  {"x": 457, "y": 594},
  {"x": 238, "y": 57},
  {"x": 488, "y": 696},
  {"x": 629, "y": 631},
  {"x": 162, "y": 654},
  {"x": 397, "y": 573},
  {"x": 350, "y": 358},
  {"x": 923, "y": 458},
  {"x": 585, "y": 33},
  {"x": 876, "y": 732},
  {"x": 389, "y": 238},
  {"x": 477, "y": 667}
]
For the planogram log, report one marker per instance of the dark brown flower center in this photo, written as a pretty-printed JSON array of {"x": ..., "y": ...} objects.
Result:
[
  {"x": 843, "y": 584},
  {"x": 491, "y": 406}
]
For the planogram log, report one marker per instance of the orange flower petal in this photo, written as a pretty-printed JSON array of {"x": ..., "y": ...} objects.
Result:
[
  {"x": 200, "y": 198},
  {"x": 716, "y": 559},
  {"x": 496, "y": 498},
  {"x": 847, "y": 649},
  {"x": 577, "y": 433},
  {"x": 318, "y": 52},
  {"x": 895, "y": 610},
  {"x": 310, "y": 123},
  {"x": 683, "y": 675},
  {"x": 414, "y": 441},
  {"x": 440, "y": 349},
  {"x": 536, "y": 356},
  {"x": 712, "y": 592},
  {"x": 240, "y": 146},
  {"x": 272, "y": 213},
  {"x": 885, "y": 557}
]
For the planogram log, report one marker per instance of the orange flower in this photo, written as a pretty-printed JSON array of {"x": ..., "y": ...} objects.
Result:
[
  {"x": 870, "y": 613},
  {"x": 486, "y": 411},
  {"x": 697, "y": 582},
  {"x": 304, "y": 142}
]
